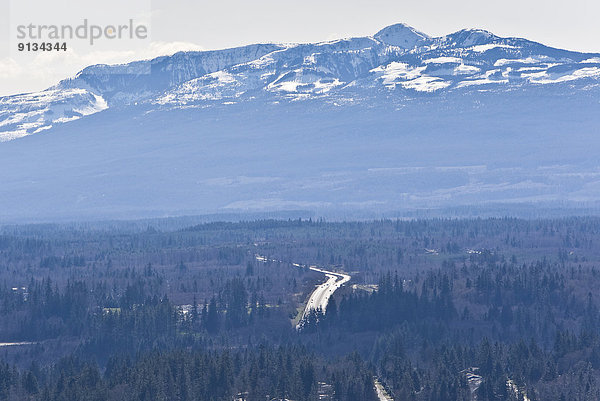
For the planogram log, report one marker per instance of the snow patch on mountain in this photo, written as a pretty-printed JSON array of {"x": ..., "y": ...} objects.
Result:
[
  {"x": 480, "y": 81},
  {"x": 392, "y": 74},
  {"x": 442, "y": 60},
  {"x": 464, "y": 69},
  {"x": 545, "y": 77},
  {"x": 490, "y": 46},
  {"x": 529, "y": 60},
  {"x": 425, "y": 84},
  {"x": 31, "y": 113}
]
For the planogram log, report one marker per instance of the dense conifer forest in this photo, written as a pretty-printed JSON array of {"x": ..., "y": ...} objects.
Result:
[{"x": 437, "y": 309}]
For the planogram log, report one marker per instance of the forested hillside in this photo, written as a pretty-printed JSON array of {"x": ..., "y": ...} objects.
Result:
[{"x": 479, "y": 309}]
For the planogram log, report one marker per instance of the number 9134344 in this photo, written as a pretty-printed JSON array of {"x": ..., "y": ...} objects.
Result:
[{"x": 44, "y": 46}]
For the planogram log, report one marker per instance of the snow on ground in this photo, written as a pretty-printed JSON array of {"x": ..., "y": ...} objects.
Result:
[
  {"x": 593, "y": 60},
  {"x": 528, "y": 60},
  {"x": 489, "y": 46},
  {"x": 443, "y": 60},
  {"x": 425, "y": 84},
  {"x": 396, "y": 72},
  {"x": 543, "y": 77},
  {"x": 466, "y": 69}
]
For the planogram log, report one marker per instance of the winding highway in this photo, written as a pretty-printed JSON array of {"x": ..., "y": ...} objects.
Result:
[
  {"x": 319, "y": 298},
  {"x": 382, "y": 395}
]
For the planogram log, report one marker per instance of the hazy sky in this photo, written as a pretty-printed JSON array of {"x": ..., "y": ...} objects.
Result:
[{"x": 192, "y": 24}]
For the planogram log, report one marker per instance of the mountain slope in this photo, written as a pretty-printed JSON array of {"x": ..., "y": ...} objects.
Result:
[
  {"x": 398, "y": 58},
  {"x": 391, "y": 122}
]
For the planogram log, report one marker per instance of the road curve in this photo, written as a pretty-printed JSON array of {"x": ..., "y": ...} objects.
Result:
[
  {"x": 382, "y": 395},
  {"x": 319, "y": 298}
]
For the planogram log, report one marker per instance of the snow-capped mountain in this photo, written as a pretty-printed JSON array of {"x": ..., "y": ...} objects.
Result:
[
  {"x": 398, "y": 59},
  {"x": 396, "y": 121}
]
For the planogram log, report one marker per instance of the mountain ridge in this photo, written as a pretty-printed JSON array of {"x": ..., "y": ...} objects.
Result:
[{"x": 466, "y": 58}]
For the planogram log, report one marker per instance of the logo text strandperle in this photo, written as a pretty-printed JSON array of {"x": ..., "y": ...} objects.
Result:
[{"x": 87, "y": 31}]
